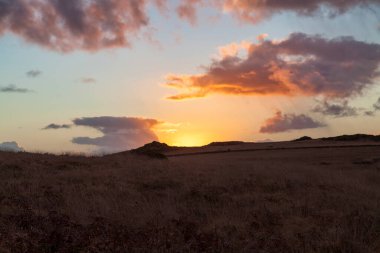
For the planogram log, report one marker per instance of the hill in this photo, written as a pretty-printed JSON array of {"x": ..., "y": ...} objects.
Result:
[{"x": 154, "y": 149}]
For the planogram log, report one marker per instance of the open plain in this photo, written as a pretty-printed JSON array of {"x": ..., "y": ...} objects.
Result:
[{"x": 307, "y": 196}]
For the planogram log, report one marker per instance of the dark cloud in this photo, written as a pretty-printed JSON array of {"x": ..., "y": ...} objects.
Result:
[
  {"x": 336, "y": 109},
  {"x": 66, "y": 25},
  {"x": 119, "y": 133},
  {"x": 299, "y": 65},
  {"x": 56, "y": 126},
  {"x": 10, "y": 147},
  {"x": 88, "y": 80},
  {"x": 286, "y": 122},
  {"x": 33, "y": 73},
  {"x": 13, "y": 89}
]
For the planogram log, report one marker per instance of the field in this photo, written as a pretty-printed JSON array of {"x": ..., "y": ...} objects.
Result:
[{"x": 283, "y": 197}]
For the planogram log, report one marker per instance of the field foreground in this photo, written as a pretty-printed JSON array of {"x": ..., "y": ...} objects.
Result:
[{"x": 265, "y": 200}]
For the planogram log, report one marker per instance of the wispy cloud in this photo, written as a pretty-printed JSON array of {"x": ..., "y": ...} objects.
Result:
[
  {"x": 287, "y": 122},
  {"x": 302, "y": 64},
  {"x": 187, "y": 10},
  {"x": 376, "y": 106},
  {"x": 33, "y": 73},
  {"x": 14, "y": 89},
  {"x": 56, "y": 126},
  {"x": 254, "y": 11},
  {"x": 88, "y": 80}
]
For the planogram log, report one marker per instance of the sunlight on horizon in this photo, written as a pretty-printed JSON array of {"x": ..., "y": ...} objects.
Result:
[{"x": 189, "y": 140}]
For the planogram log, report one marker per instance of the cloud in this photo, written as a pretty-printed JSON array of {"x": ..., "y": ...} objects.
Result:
[
  {"x": 369, "y": 113},
  {"x": 13, "y": 89},
  {"x": 88, "y": 80},
  {"x": 282, "y": 123},
  {"x": 376, "y": 106},
  {"x": 67, "y": 25},
  {"x": 254, "y": 11},
  {"x": 10, "y": 147},
  {"x": 301, "y": 64},
  {"x": 33, "y": 73},
  {"x": 337, "y": 109},
  {"x": 56, "y": 126},
  {"x": 374, "y": 109},
  {"x": 119, "y": 133},
  {"x": 233, "y": 49},
  {"x": 262, "y": 37},
  {"x": 187, "y": 10}
]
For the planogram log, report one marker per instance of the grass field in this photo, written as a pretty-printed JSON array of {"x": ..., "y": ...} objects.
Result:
[{"x": 280, "y": 200}]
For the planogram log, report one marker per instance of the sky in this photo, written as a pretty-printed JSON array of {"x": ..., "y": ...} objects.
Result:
[{"x": 104, "y": 76}]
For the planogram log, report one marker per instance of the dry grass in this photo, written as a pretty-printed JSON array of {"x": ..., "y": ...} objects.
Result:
[{"x": 327, "y": 200}]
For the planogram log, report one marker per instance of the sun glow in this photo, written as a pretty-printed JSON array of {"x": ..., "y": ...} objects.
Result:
[
  {"x": 186, "y": 140},
  {"x": 190, "y": 141}
]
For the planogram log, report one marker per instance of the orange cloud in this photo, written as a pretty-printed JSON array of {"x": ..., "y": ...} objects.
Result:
[
  {"x": 262, "y": 37},
  {"x": 234, "y": 48},
  {"x": 299, "y": 65}
]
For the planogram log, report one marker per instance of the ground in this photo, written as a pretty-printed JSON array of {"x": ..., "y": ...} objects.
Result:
[{"x": 308, "y": 196}]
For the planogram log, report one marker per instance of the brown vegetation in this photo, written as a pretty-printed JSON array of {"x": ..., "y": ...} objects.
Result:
[{"x": 322, "y": 200}]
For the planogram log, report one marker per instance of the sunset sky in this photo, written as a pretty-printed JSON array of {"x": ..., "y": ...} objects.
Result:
[{"x": 104, "y": 76}]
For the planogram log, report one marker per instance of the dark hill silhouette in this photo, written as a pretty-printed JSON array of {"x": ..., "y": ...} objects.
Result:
[
  {"x": 154, "y": 146},
  {"x": 225, "y": 143},
  {"x": 157, "y": 149},
  {"x": 354, "y": 137},
  {"x": 304, "y": 138},
  {"x": 154, "y": 149}
]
